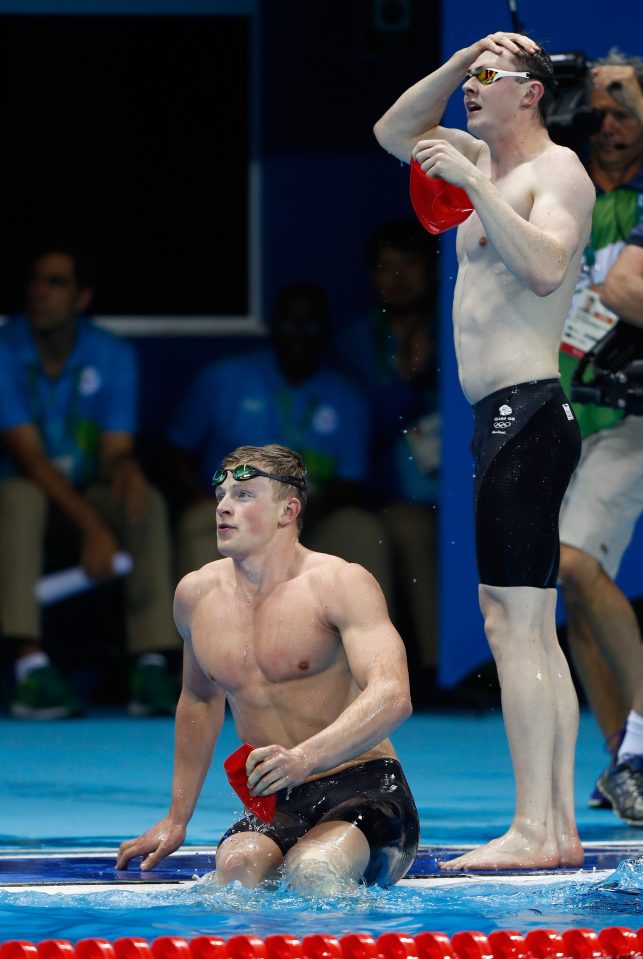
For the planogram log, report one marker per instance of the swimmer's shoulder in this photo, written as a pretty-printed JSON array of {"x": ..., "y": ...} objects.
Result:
[
  {"x": 315, "y": 563},
  {"x": 207, "y": 577},
  {"x": 561, "y": 159},
  {"x": 335, "y": 576},
  {"x": 197, "y": 585}
]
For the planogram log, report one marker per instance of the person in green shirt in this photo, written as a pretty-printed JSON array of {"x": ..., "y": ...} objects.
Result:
[{"x": 605, "y": 496}]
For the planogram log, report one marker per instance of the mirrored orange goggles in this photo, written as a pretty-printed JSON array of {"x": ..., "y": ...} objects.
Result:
[{"x": 487, "y": 75}]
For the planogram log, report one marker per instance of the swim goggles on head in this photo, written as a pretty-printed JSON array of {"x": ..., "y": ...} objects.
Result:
[
  {"x": 487, "y": 75},
  {"x": 246, "y": 472}
]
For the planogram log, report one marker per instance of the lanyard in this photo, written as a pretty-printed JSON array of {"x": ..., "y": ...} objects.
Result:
[
  {"x": 294, "y": 430},
  {"x": 59, "y": 429}
]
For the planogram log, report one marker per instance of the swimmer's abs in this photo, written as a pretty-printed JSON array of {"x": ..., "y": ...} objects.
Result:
[
  {"x": 491, "y": 363},
  {"x": 504, "y": 344}
]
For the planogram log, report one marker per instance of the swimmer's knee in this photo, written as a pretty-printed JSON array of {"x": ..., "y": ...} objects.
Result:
[
  {"x": 247, "y": 859},
  {"x": 319, "y": 875},
  {"x": 495, "y": 607}
]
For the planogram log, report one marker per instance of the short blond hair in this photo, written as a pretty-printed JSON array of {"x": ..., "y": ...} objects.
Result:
[{"x": 276, "y": 459}]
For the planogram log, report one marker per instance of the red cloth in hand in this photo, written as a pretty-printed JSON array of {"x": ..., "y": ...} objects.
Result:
[
  {"x": 235, "y": 767},
  {"x": 439, "y": 205}
]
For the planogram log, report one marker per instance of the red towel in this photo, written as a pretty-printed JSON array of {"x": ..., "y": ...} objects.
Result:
[{"x": 235, "y": 767}]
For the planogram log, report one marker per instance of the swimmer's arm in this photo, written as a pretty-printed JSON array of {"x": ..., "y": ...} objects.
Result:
[
  {"x": 537, "y": 250},
  {"x": 417, "y": 113},
  {"x": 623, "y": 287},
  {"x": 199, "y": 719},
  {"x": 377, "y": 661},
  {"x": 199, "y": 712}
]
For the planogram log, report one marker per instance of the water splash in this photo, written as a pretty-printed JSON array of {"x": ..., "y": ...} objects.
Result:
[
  {"x": 205, "y": 908},
  {"x": 624, "y": 883}
]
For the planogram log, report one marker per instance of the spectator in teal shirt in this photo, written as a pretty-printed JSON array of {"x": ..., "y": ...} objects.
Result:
[{"x": 71, "y": 474}]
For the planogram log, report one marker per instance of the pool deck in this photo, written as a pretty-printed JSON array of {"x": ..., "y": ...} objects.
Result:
[
  {"x": 86, "y": 870},
  {"x": 73, "y": 790}
]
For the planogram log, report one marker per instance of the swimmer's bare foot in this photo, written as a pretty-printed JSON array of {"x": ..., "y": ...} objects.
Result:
[
  {"x": 570, "y": 849},
  {"x": 511, "y": 851}
]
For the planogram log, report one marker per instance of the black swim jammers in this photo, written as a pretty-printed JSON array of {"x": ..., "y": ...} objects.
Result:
[
  {"x": 526, "y": 445},
  {"x": 374, "y": 796}
]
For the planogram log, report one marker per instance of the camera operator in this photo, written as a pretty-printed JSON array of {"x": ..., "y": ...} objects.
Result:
[{"x": 605, "y": 497}]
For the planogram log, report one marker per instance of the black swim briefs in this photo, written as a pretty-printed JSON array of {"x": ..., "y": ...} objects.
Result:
[
  {"x": 526, "y": 445},
  {"x": 374, "y": 796}
]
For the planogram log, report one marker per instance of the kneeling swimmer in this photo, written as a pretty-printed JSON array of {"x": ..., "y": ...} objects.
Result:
[{"x": 301, "y": 647}]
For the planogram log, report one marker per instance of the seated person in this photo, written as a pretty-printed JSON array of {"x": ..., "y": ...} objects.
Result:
[
  {"x": 283, "y": 392},
  {"x": 392, "y": 353},
  {"x": 70, "y": 475},
  {"x": 273, "y": 628}
]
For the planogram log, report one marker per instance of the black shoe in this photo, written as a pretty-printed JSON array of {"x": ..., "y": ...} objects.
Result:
[
  {"x": 623, "y": 786},
  {"x": 597, "y": 800}
]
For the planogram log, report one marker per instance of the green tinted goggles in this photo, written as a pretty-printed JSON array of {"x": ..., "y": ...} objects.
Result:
[{"x": 246, "y": 472}]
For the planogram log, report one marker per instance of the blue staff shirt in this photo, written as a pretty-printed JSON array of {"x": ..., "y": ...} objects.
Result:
[
  {"x": 13, "y": 408},
  {"x": 95, "y": 393},
  {"x": 247, "y": 401}
]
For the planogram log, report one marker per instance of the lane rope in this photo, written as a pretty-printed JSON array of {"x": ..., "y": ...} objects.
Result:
[{"x": 613, "y": 942}]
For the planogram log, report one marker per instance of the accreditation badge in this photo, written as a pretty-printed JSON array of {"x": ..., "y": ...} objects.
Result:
[{"x": 587, "y": 322}]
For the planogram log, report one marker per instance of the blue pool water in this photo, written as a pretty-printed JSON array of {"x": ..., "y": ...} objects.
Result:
[
  {"x": 106, "y": 778},
  {"x": 204, "y": 908}
]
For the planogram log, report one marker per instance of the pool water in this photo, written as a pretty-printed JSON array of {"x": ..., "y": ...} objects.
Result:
[
  {"x": 104, "y": 779},
  {"x": 204, "y": 908}
]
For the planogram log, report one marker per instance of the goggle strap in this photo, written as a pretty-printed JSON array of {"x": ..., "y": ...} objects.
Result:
[{"x": 246, "y": 472}]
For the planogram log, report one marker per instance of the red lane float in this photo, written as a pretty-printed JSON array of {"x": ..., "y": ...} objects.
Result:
[
  {"x": 94, "y": 949},
  {"x": 614, "y": 942}
]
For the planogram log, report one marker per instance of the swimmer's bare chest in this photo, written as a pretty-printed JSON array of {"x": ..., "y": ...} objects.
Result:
[
  {"x": 280, "y": 662},
  {"x": 504, "y": 333},
  {"x": 484, "y": 281}
]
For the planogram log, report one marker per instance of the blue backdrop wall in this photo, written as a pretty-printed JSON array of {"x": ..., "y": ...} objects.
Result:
[{"x": 559, "y": 27}]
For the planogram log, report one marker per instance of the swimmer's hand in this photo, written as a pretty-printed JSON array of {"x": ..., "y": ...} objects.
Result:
[
  {"x": 155, "y": 844},
  {"x": 500, "y": 42},
  {"x": 271, "y": 768},
  {"x": 438, "y": 158}
]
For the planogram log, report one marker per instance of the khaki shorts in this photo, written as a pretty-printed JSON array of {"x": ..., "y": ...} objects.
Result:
[{"x": 605, "y": 496}]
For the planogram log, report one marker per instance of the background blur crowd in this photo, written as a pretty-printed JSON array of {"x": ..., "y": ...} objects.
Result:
[{"x": 358, "y": 402}]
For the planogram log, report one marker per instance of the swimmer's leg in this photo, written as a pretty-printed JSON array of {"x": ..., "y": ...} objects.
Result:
[
  {"x": 248, "y": 858},
  {"x": 540, "y": 711},
  {"x": 566, "y": 733},
  {"x": 328, "y": 861}
]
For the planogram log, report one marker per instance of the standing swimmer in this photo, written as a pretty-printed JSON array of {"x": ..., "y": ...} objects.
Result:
[{"x": 519, "y": 255}]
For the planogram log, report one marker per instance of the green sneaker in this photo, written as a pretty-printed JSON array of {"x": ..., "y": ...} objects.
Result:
[
  {"x": 43, "y": 694},
  {"x": 153, "y": 691}
]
